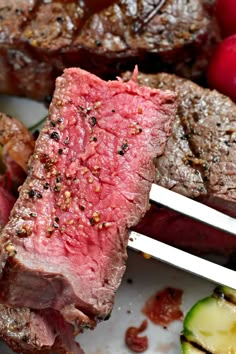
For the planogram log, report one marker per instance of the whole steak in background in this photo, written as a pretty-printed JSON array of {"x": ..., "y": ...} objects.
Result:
[
  {"x": 39, "y": 39},
  {"x": 64, "y": 247}
]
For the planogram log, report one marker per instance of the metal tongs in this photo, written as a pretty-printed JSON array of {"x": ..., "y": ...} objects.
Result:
[{"x": 179, "y": 258}]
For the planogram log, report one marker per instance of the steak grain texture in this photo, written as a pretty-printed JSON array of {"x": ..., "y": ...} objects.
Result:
[
  {"x": 198, "y": 161},
  {"x": 40, "y": 38},
  {"x": 64, "y": 247}
]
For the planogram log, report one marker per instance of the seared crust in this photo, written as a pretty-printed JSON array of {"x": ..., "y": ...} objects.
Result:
[{"x": 38, "y": 39}]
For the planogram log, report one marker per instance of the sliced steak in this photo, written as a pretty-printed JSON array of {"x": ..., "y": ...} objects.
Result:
[
  {"x": 32, "y": 332},
  {"x": 23, "y": 329},
  {"x": 199, "y": 162},
  {"x": 7, "y": 201},
  {"x": 64, "y": 247},
  {"x": 40, "y": 38},
  {"x": 17, "y": 146},
  {"x": 16, "y": 140},
  {"x": 182, "y": 232}
]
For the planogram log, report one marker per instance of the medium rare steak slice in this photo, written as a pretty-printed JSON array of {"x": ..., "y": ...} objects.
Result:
[
  {"x": 199, "y": 161},
  {"x": 24, "y": 330},
  {"x": 64, "y": 247},
  {"x": 40, "y": 38}
]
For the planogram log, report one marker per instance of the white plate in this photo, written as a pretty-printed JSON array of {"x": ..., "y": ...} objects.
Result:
[{"x": 148, "y": 277}]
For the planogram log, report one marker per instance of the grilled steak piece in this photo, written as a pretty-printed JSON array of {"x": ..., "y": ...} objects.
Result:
[
  {"x": 7, "y": 201},
  {"x": 182, "y": 232},
  {"x": 199, "y": 162},
  {"x": 208, "y": 122},
  {"x": 40, "y": 38},
  {"x": 24, "y": 330},
  {"x": 64, "y": 247},
  {"x": 32, "y": 332},
  {"x": 17, "y": 146},
  {"x": 17, "y": 141}
]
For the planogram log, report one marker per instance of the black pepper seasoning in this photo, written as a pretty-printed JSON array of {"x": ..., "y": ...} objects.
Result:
[
  {"x": 55, "y": 136},
  {"x": 66, "y": 141},
  {"x": 92, "y": 221},
  {"x": 93, "y": 138},
  {"x": 58, "y": 179},
  {"x": 32, "y": 193},
  {"x": 123, "y": 149},
  {"x": 215, "y": 159},
  {"x": 18, "y": 11},
  {"x": 24, "y": 338},
  {"x": 93, "y": 121},
  {"x": 98, "y": 43},
  {"x": 60, "y": 19}
]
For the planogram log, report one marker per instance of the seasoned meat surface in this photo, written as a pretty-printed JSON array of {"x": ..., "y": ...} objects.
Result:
[
  {"x": 198, "y": 161},
  {"x": 199, "y": 157},
  {"x": 40, "y": 38}
]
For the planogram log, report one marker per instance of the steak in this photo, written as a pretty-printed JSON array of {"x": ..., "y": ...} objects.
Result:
[
  {"x": 64, "y": 248},
  {"x": 40, "y": 38},
  {"x": 199, "y": 162},
  {"x": 27, "y": 331},
  {"x": 23, "y": 329},
  {"x": 17, "y": 146},
  {"x": 7, "y": 201}
]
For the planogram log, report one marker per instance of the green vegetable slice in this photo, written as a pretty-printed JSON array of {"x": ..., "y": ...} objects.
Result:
[
  {"x": 227, "y": 293},
  {"x": 189, "y": 348},
  {"x": 211, "y": 324}
]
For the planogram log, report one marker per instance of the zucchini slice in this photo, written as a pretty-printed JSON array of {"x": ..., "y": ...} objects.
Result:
[
  {"x": 226, "y": 293},
  {"x": 210, "y": 325},
  {"x": 189, "y": 348}
]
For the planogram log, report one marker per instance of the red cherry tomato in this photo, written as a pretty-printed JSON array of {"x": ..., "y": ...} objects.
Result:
[
  {"x": 226, "y": 16},
  {"x": 221, "y": 73}
]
